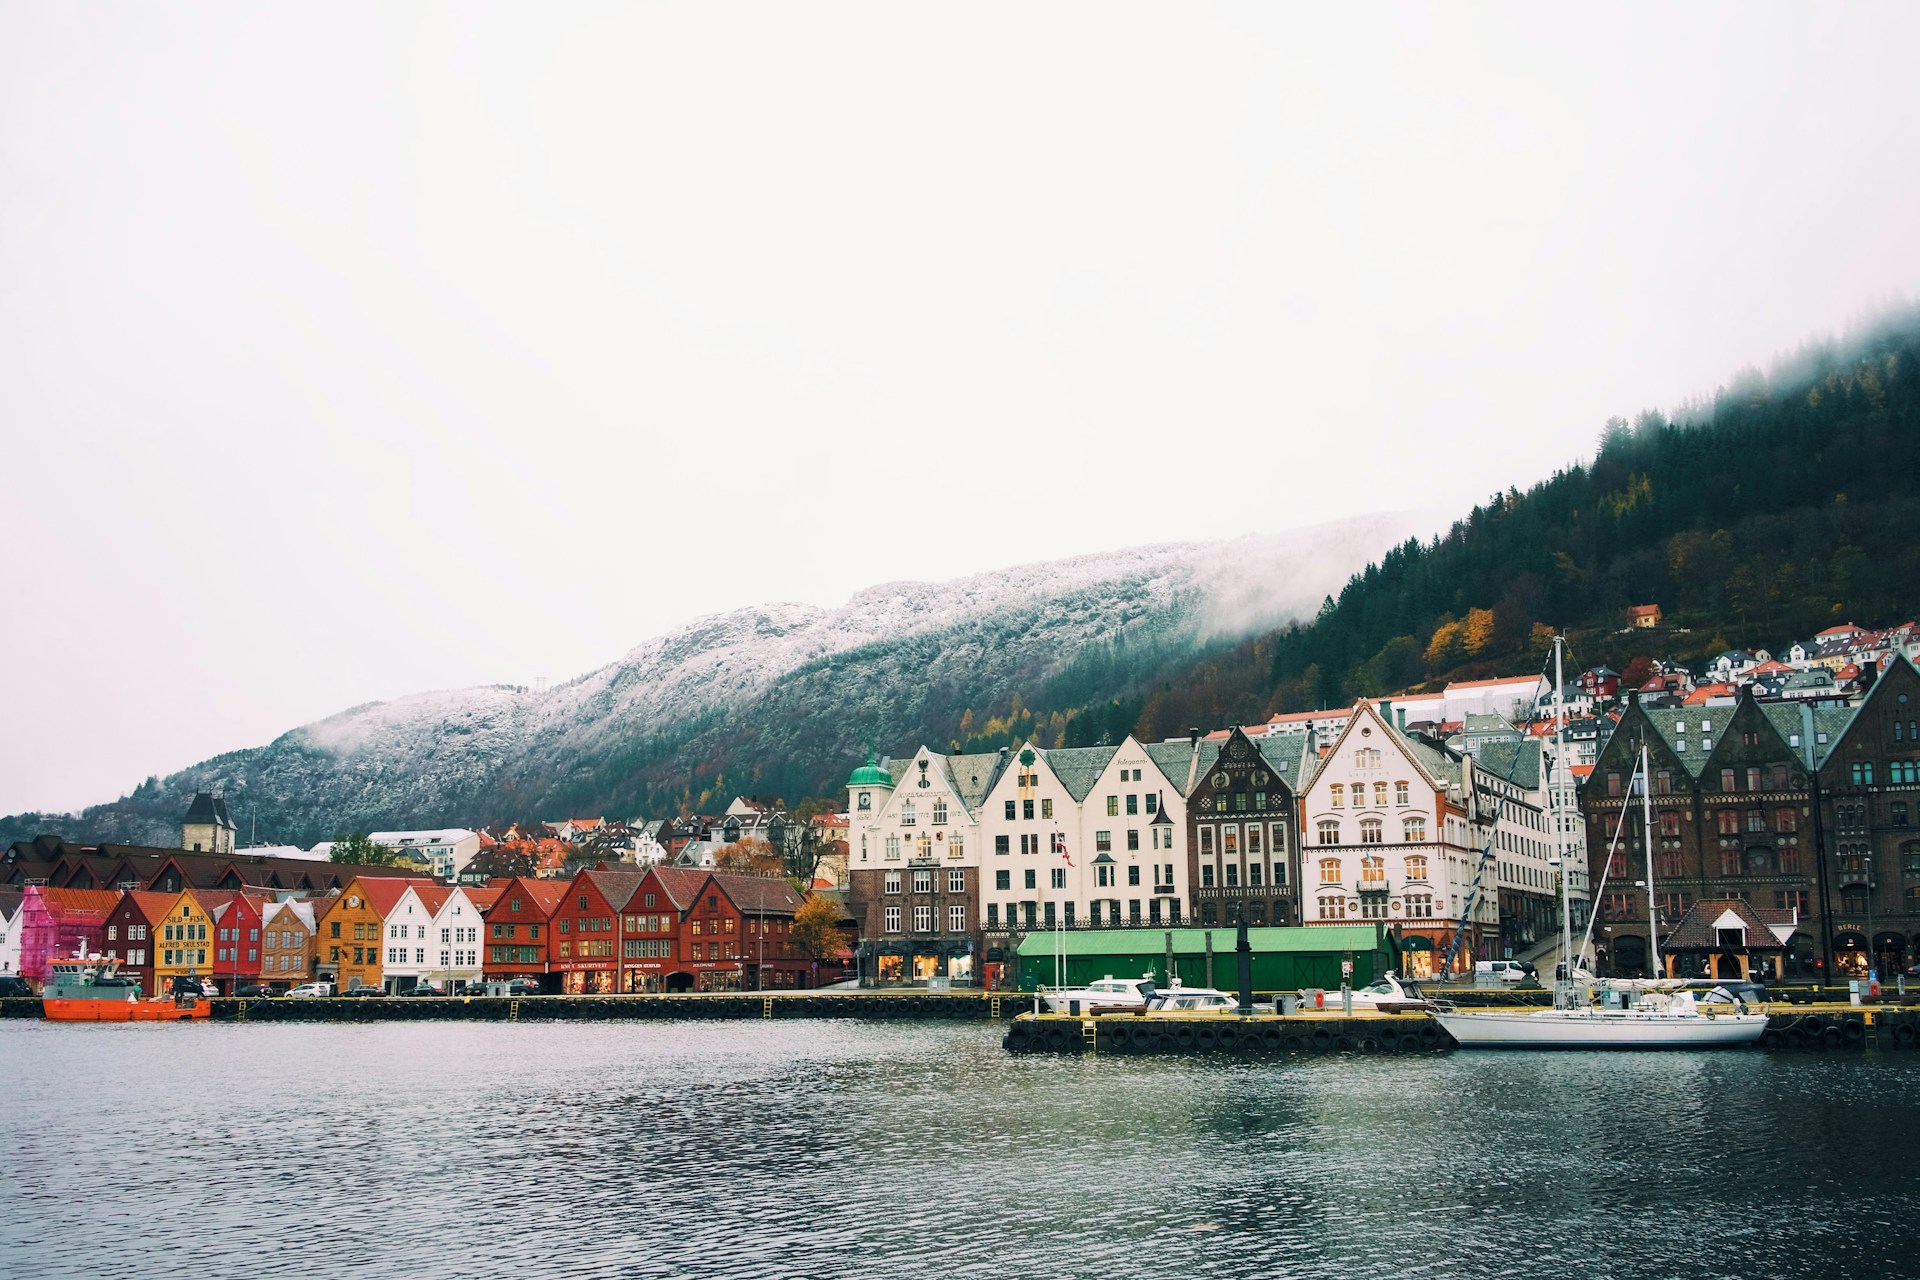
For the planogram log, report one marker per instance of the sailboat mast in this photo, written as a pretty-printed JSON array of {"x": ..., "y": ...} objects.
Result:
[
  {"x": 1646, "y": 833},
  {"x": 1558, "y": 803}
]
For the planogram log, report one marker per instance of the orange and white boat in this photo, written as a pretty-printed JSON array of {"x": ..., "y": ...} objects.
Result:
[{"x": 92, "y": 989}]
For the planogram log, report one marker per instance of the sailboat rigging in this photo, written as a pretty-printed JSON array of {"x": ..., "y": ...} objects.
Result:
[{"x": 1633, "y": 1015}]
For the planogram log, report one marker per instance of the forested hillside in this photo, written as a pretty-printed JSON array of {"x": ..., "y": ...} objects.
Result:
[{"x": 1786, "y": 504}]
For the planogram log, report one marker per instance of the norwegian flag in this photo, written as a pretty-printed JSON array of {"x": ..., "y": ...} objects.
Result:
[{"x": 1060, "y": 847}]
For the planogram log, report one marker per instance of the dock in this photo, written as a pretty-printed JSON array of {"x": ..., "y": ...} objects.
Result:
[{"x": 1790, "y": 1027}]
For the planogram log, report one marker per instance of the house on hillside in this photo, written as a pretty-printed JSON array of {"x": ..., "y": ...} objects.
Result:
[{"x": 1643, "y": 617}]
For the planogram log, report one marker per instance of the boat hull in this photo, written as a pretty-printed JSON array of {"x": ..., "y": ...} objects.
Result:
[
  {"x": 59, "y": 1010},
  {"x": 1601, "y": 1029}
]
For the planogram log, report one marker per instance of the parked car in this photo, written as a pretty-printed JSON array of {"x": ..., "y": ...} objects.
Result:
[
  {"x": 363, "y": 992},
  {"x": 12, "y": 984},
  {"x": 311, "y": 991},
  {"x": 423, "y": 989},
  {"x": 184, "y": 985},
  {"x": 1500, "y": 971},
  {"x": 252, "y": 991},
  {"x": 523, "y": 987}
]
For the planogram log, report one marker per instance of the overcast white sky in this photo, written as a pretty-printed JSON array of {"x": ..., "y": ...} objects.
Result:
[{"x": 347, "y": 351}]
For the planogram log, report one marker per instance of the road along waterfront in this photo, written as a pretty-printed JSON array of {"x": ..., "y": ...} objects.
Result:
[{"x": 834, "y": 1148}]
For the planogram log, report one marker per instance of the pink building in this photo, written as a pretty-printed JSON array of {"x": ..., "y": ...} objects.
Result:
[{"x": 60, "y": 922}]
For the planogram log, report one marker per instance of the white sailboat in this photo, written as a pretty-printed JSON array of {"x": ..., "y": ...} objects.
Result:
[{"x": 1635, "y": 1015}]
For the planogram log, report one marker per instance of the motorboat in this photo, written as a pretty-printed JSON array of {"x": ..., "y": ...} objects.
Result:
[
  {"x": 1198, "y": 1000},
  {"x": 1108, "y": 995},
  {"x": 1389, "y": 995}
]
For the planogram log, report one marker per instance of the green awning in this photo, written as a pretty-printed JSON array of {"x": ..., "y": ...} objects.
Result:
[{"x": 1042, "y": 942}]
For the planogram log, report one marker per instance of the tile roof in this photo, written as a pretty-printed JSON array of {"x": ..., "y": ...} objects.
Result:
[
  {"x": 617, "y": 887},
  {"x": 680, "y": 884},
  {"x": 152, "y": 905},
  {"x": 761, "y": 894},
  {"x": 207, "y": 807},
  {"x": 972, "y": 776},
  {"x": 1520, "y": 759},
  {"x": 382, "y": 892},
  {"x": 1176, "y": 761},
  {"x": 1078, "y": 768},
  {"x": 1288, "y": 756},
  {"x": 81, "y": 902},
  {"x": 1697, "y": 930}
]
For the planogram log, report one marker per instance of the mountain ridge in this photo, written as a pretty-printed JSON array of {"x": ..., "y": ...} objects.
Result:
[{"x": 771, "y": 698}]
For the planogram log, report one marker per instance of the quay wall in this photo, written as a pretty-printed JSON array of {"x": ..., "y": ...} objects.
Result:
[{"x": 1831, "y": 1026}]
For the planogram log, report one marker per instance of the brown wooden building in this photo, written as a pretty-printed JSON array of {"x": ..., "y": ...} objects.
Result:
[
  {"x": 1242, "y": 842},
  {"x": 1870, "y": 823},
  {"x": 1733, "y": 792}
]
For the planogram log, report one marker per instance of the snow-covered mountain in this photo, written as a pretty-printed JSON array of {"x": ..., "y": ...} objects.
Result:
[{"x": 778, "y": 699}]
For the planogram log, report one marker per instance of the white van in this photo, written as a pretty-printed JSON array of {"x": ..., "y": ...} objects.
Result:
[{"x": 1498, "y": 971}]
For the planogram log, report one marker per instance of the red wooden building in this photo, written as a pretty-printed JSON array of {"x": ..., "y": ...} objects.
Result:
[
  {"x": 585, "y": 947},
  {"x": 132, "y": 927},
  {"x": 518, "y": 928},
  {"x": 236, "y": 937},
  {"x": 737, "y": 935}
]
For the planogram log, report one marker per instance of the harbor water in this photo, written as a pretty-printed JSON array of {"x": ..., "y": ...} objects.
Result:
[{"x": 798, "y": 1149}]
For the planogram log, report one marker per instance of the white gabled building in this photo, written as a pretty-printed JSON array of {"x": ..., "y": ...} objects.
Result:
[
  {"x": 1388, "y": 838},
  {"x": 1395, "y": 828},
  {"x": 447, "y": 851},
  {"x": 407, "y": 952},
  {"x": 914, "y": 866},
  {"x": 1080, "y": 836}
]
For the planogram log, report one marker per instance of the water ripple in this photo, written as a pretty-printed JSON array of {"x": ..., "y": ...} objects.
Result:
[{"x": 795, "y": 1151}]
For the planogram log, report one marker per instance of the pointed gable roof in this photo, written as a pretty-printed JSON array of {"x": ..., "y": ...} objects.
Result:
[
  {"x": 1440, "y": 768},
  {"x": 152, "y": 907},
  {"x": 757, "y": 895},
  {"x": 1077, "y": 768},
  {"x": 1181, "y": 764},
  {"x": 681, "y": 885},
  {"x": 616, "y": 887},
  {"x": 382, "y": 893},
  {"x": 1289, "y": 758},
  {"x": 208, "y": 808},
  {"x": 972, "y": 776},
  {"x": 1898, "y": 678},
  {"x": 1767, "y": 929}
]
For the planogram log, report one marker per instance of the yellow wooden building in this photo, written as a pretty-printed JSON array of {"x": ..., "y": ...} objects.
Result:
[{"x": 182, "y": 942}]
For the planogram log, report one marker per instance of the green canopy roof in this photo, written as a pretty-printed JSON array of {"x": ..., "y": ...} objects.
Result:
[{"x": 1149, "y": 941}]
